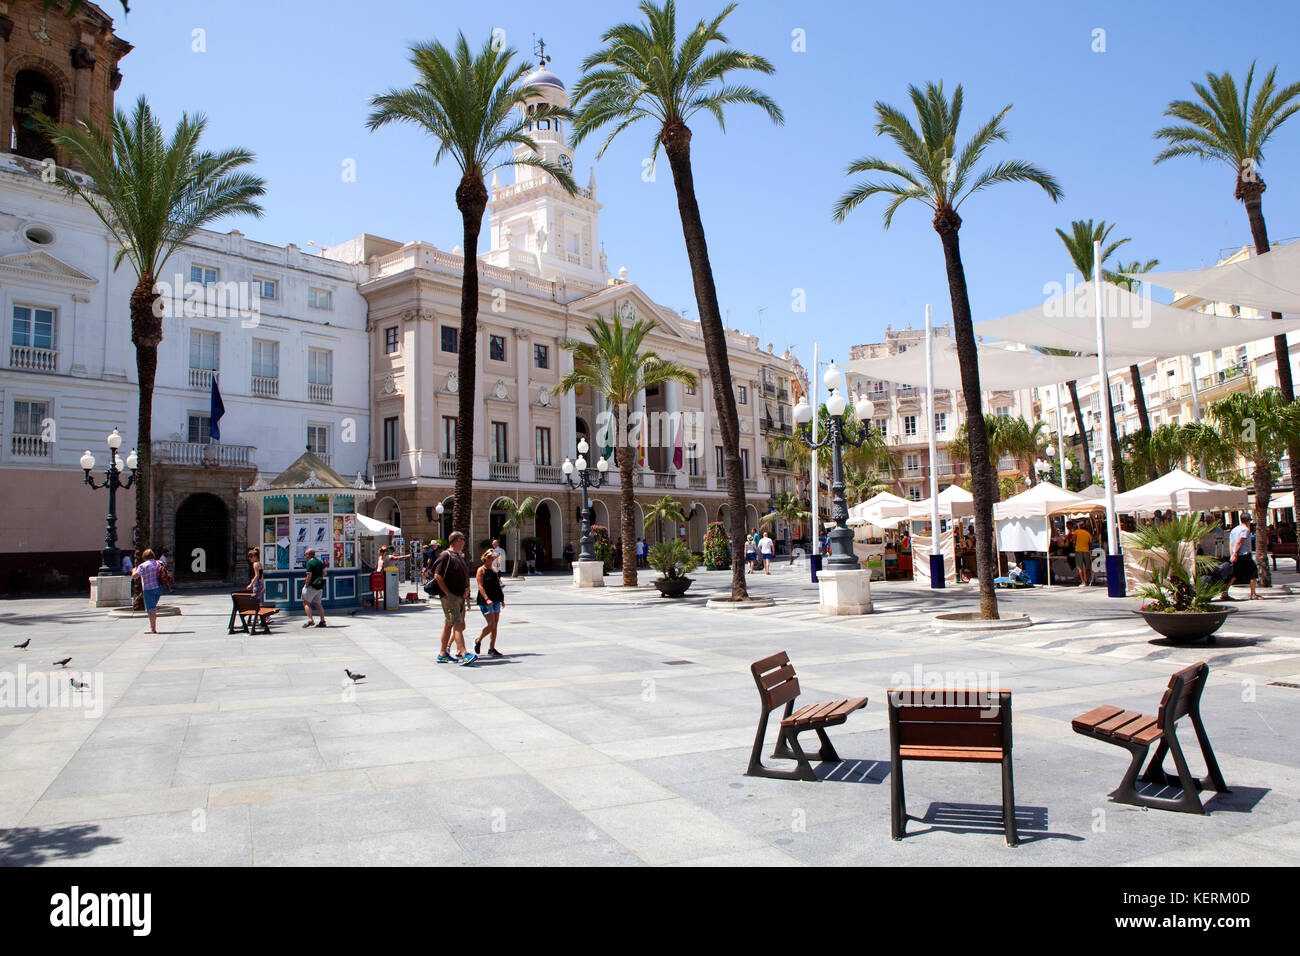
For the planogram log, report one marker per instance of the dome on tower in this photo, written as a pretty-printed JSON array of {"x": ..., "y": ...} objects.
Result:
[{"x": 544, "y": 77}]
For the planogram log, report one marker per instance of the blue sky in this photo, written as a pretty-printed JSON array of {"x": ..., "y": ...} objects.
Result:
[{"x": 291, "y": 80}]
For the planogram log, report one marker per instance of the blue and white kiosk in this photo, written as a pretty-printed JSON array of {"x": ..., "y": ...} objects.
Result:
[{"x": 308, "y": 505}]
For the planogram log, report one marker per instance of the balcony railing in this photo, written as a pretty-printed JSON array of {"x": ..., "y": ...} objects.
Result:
[
  {"x": 698, "y": 482},
  {"x": 446, "y": 467},
  {"x": 29, "y": 446},
  {"x": 386, "y": 470},
  {"x": 265, "y": 387},
  {"x": 320, "y": 392},
  {"x": 503, "y": 471},
  {"x": 549, "y": 474},
  {"x": 33, "y": 359},
  {"x": 665, "y": 480},
  {"x": 202, "y": 453},
  {"x": 751, "y": 484},
  {"x": 201, "y": 378},
  {"x": 775, "y": 463}
]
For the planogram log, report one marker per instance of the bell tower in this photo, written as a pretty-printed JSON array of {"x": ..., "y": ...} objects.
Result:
[{"x": 535, "y": 225}]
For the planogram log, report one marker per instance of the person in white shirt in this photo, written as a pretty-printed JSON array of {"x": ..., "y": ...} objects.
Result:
[
  {"x": 501, "y": 556},
  {"x": 1244, "y": 570},
  {"x": 766, "y": 548}
]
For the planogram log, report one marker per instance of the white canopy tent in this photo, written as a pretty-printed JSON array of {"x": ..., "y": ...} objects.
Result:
[
  {"x": 871, "y": 511},
  {"x": 1181, "y": 492},
  {"x": 953, "y": 502},
  {"x": 1270, "y": 283},
  {"x": 1000, "y": 368},
  {"x": 1093, "y": 491},
  {"x": 1135, "y": 325},
  {"x": 1024, "y": 522},
  {"x": 1279, "y": 502},
  {"x": 374, "y": 528}
]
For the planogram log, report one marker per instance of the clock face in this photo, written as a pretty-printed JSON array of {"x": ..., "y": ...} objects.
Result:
[{"x": 566, "y": 163}]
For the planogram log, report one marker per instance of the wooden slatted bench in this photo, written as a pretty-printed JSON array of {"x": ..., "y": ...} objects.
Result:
[
  {"x": 1136, "y": 732},
  {"x": 778, "y": 685},
  {"x": 1284, "y": 549},
  {"x": 965, "y": 726},
  {"x": 250, "y": 612}
]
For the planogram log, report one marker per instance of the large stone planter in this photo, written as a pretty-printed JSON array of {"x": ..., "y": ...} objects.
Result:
[
  {"x": 672, "y": 588},
  {"x": 1185, "y": 627}
]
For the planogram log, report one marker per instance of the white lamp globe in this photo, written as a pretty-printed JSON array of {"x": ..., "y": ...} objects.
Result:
[
  {"x": 836, "y": 404},
  {"x": 832, "y": 377},
  {"x": 132, "y": 460},
  {"x": 582, "y": 446},
  {"x": 118, "y": 463},
  {"x": 439, "y": 508},
  {"x": 803, "y": 413},
  {"x": 864, "y": 409},
  {"x": 87, "y": 460},
  {"x": 580, "y": 464},
  {"x": 114, "y": 440},
  {"x": 602, "y": 465},
  {"x": 567, "y": 467},
  {"x": 1051, "y": 451}
]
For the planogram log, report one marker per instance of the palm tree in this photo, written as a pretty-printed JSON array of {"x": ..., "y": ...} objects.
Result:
[
  {"x": 788, "y": 508},
  {"x": 666, "y": 508},
  {"x": 1204, "y": 445},
  {"x": 153, "y": 195},
  {"x": 1079, "y": 244},
  {"x": 1073, "y": 387},
  {"x": 1122, "y": 278},
  {"x": 642, "y": 72},
  {"x": 613, "y": 364},
  {"x": 940, "y": 176},
  {"x": 1255, "y": 426},
  {"x": 473, "y": 105},
  {"x": 1233, "y": 130},
  {"x": 517, "y": 512}
]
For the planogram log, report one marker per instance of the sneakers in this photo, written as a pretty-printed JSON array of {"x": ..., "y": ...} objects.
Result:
[
  {"x": 309, "y": 624},
  {"x": 478, "y": 645},
  {"x": 469, "y": 658},
  {"x": 493, "y": 652},
  {"x": 446, "y": 659}
]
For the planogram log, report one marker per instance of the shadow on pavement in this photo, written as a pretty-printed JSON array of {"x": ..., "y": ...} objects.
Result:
[
  {"x": 1031, "y": 822},
  {"x": 32, "y": 846}
]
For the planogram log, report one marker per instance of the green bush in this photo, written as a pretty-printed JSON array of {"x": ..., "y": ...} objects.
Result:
[
  {"x": 717, "y": 550},
  {"x": 672, "y": 559},
  {"x": 600, "y": 543}
]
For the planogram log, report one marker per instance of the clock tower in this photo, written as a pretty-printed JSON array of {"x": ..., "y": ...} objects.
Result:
[{"x": 535, "y": 225}]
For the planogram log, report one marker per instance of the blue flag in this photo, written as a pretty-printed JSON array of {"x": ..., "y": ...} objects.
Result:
[{"x": 217, "y": 409}]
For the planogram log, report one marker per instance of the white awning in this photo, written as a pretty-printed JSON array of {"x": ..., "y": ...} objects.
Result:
[
  {"x": 1135, "y": 326},
  {"x": 871, "y": 511},
  {"x": 1286, "y": 500},
  {"x": 373, "y": 527},
  {"x": 1000, "y": 368},
  {"x": 1269, "y": 283},
  {"x": 1041, "y": 501},
  {"x": 954, "y": 502},
  {"x": 1181, "y": 491}
]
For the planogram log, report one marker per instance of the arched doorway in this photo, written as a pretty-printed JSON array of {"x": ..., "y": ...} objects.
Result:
[
  {"x": 202, "y": 539},
  {"x": 698, "y": 523},
  {"x": 34, "y": 94},
  {"x": 751, "y": 514},
  {"x": 547, "y": 527}
]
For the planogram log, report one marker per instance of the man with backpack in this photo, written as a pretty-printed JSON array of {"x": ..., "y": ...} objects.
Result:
[{"x": 451, "y": 574}]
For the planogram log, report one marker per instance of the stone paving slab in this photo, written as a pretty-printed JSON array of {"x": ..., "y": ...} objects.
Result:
[{"x": 586, "y": 747}]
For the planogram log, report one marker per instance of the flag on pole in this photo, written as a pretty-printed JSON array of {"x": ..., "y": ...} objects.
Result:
[
  {"x": 215, "y": 411},
  {"x": 678, "y": 450},
  {"x": 642, "y": 428}
]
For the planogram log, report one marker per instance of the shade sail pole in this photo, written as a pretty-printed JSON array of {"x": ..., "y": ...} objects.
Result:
[
  {"x": 936, "y": 549},
  {"x": 816, "y": 522},
  {"x": 1060, "y": 435},
  {"x": 1114, "y": 587}
]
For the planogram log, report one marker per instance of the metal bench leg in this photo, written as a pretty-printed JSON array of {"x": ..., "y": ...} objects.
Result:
[
  {"x": 756, "y": 768},
  {"x": 1214, "y": 777},
  {"x": 805, "y": 772},
  {"x": 1190, "y": 802},
  {"x": 897, "y": 800},
  {"x": 781, "y": 751},
  {"x": 230, "y": 628},
  {"x": 1009, "y": 803},
  {"x": 1155, "y": 771},
  {"x": 1126, "y": 792},
  {"x": 827, "y": 751}
]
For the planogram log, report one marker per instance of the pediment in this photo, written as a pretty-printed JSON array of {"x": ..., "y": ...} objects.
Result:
[
  {"x": 612, "y": 299},
  {"x": 42, "y": 265}
]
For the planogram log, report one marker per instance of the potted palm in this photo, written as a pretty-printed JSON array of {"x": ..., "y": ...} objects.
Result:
[
  {"x": 673, "y": 560},
  {"x": 1181, "y": 584}
]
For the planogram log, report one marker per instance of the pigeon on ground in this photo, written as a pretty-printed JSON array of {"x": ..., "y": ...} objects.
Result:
[
  {"x": 355, "y": 677},
  {"x": 79, "y": 685},
  {"x": 352, "y": 614},
  {"x": 23, "y": 645},
  {"x": 64, "y": 662}
]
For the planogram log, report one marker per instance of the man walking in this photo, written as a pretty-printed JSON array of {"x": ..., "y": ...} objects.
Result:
[
  {"x": 1083, "y": 554},
  {"x": 313, "y": 588},
  {"x": 501, "y": 555},
  {"x": 766, "y": 548},
  {"x": 452, "y": 576},
  {"x": 1244, "y": 569}
]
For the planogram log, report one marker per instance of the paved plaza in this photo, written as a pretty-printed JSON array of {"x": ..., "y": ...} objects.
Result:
[{"x": 616, "y": 731}]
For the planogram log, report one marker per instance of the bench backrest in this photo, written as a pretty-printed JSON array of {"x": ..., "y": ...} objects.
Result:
[
  {"x": 938, "y": 717},
  {"x": 244, "y": 601},
  {"x": 776, "y": 681},
  {"x": 1182, "y": 695}
]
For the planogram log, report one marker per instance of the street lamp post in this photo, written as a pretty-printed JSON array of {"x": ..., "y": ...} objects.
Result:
[
  {"x": 841, "y": 538},
  {"x": 111, "y": 557},
  {"x": 585, "y": 482}
]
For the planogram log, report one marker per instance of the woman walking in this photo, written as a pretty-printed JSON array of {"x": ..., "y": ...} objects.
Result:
[
  {"x": 491, "y": 600},
  {"x": 148, "y": 571},
  {"x": 256, "y": 583}
]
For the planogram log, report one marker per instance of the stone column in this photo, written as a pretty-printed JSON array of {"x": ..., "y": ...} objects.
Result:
[
  {"x": 756, "y": 462},
  {"x": 409, "y": 332},
  {"x": 568, "y": 412},
  {"x": 527, "y": 466},
  {"x": 673, "y": 405},
  {"x": 707, "y": 456},
  {"x": 83, "y": 76},
  {"x": 480, "y": 417},
  {"x": 642, "y": 427}
]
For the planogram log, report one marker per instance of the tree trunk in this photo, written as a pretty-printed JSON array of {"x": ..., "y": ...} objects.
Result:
[
  {"x": 471, "y": 200},
  {"x": 1253, "y": 195},
  {"x": 1135, "y": 376},
  {"x": 146, "y": 334},
  {"x": 1116, "y": 460},
  {"x": 1263, "y": 492},
  {"x": 677, "y": 144},
  {"x": 627, "y": 500},
  {"x": 1085, "y": 461},
  {"x": 983, "y": 479}
]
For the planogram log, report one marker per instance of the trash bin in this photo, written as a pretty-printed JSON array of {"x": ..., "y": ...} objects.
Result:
[
  {"x": 815, "y": 562},
  {"x": 392, "y": 599},
  {"x": 1034, "y": 568}
]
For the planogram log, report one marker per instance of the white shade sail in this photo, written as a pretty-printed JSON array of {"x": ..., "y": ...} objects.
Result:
[
  {"x": 1000, "y": 368},
  {"x": 1180, "y": 491},
  {"x": 1136, "y": 326},
  {"x": 373, "y": 527},
  {"x": 1040, "y": 501},
  {"x": 871, "y": 511},
  {"x": 1270, "y": 283},
  {"x": 1282, "y": 501},
  {"x": 1093, "y": 491},
  {"x": 954, "y": 502}
]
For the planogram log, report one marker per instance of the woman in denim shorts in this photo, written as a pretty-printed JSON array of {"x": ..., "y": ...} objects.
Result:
[{"x": 491, "y": 599}]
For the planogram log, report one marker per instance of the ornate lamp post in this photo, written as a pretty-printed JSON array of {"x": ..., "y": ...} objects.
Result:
[
  {"x": 111, "y": 557},
  {"x": 841, "y": 538},
  {"x": 585, "y": 481}
]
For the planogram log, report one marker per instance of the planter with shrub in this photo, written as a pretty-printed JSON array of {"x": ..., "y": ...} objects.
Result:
[
  {"x": 1182, "y": 586},
  {"x": 717, "y": 550},
  {"x": 674, "y": 561}
]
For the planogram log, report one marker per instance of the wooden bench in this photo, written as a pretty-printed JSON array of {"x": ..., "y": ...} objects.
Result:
[
  {"x": 1136, "y": 733},
  {"x": 1284, "y": 549},
  {"x": 964, "y": 726},
  {"x": 250, "y": 612},
  {"x": 777, "y": 685}
]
